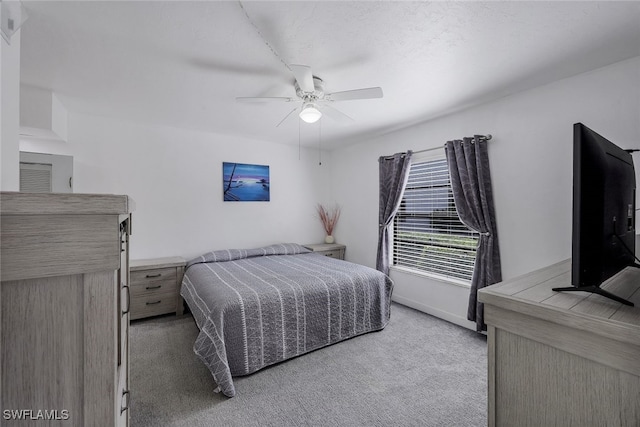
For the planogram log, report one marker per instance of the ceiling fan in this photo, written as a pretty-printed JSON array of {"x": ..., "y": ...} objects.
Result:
[{"x": 313, "y": 100}]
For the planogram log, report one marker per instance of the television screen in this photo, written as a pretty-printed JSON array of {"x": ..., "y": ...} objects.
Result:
[{"x": 604, "y": 188}]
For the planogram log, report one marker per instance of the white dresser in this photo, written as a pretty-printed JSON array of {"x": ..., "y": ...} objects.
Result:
[{"x": 64, "y": 324}]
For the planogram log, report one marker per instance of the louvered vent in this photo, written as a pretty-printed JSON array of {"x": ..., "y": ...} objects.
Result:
[{"x": 35, "y": 178}]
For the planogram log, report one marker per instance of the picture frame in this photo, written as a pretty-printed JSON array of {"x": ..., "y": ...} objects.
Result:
[{"x": 243, "y": 182}]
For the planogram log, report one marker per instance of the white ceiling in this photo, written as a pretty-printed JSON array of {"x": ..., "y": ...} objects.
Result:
[{"x": 183, "y": 63}]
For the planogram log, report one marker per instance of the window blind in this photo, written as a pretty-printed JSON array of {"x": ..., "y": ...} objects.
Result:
[{"x": 428, "y": 234}]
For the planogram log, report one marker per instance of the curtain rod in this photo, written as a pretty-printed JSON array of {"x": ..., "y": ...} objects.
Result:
[{"x": 486, "y": 137}]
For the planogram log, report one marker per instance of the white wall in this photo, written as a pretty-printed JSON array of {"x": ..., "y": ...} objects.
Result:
[
  {"x": 175, "y": 179},
  {"x": 531, "y": 161},
  {"x": 9, "y": 113}
]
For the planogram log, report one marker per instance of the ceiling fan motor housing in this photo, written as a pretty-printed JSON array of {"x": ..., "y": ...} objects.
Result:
[{"x": 317, "y": 94}]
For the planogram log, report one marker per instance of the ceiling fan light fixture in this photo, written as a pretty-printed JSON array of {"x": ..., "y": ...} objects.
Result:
[{"x": 310, "y": 114}]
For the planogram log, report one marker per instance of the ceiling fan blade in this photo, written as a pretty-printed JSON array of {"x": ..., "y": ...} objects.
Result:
[
  {"x": 286, "y": 117},
  {"x": 252, "y": 99},
  {"x": 304, "y": 77},
  {"x": 335, "y": 114},
  {"x": 347, "y": 95}
]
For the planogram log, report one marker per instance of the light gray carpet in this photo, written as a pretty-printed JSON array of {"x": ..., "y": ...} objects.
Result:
[{"x": 418, "y": 371}]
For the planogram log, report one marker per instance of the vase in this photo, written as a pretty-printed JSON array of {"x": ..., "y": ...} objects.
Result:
[{"x": 329, "y": 239}]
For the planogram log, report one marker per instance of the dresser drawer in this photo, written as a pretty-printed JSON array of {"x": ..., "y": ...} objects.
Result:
[
  {"x": 153, "y": 305},
  {"x": 122, "y": 395},
  {"x": 153, "y": 281}
]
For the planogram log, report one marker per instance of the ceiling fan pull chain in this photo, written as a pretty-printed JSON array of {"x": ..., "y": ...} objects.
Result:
[
  {"x": 299, "y": 147},
  {"x": 319, "y": 142}
]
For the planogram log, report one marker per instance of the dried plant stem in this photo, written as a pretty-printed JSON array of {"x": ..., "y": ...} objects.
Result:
[{"x": 328, "y": 218}]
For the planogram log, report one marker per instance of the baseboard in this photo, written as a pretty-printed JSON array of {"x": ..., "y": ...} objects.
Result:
[{"x": 449, "y": 317}]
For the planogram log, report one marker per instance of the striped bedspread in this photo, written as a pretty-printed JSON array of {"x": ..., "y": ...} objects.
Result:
[{"x": 260, "y": 306}]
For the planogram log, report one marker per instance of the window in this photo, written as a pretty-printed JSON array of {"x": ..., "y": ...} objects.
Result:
[{"x": 428, "y": 235}]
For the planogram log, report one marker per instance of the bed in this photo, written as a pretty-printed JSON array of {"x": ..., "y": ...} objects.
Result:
[{"x": 257, "y": 307}]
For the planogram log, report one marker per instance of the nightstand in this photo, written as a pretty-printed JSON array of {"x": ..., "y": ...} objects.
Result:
[
  {"x": 155, "y": 286},
  {"x": 333, "y": 250}
]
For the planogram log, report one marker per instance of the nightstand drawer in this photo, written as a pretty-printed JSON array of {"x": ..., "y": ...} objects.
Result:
[
  {"x": 152, "y": 281},
  {"x": 337, "y": 253},
  {"x": 153, "y": 305}
]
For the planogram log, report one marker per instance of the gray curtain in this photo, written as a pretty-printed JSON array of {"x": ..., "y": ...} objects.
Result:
[
  {"x": 471, "y": 182},
  {"x": 394, "y": 171}
]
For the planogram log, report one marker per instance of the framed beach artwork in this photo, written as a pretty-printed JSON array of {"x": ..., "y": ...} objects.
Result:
[{"x": 245, "y": 183}]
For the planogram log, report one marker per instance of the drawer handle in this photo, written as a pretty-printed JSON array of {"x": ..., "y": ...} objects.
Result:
[
  {"x": 330, "y": 254},
  {"x": 155, "y": 302},
  {"x": 125, "y": 393},
  {"x": 128, "y": 301},
  {"x": 151, "y": 276},
  {"x": 153, "y": 287}
]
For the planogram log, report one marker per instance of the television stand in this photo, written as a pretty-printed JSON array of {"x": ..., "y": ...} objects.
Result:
[
  {"x": 598, "y": 290},
  {"x": 595, "y": 290},
  {"x": 562, "y": 359}
]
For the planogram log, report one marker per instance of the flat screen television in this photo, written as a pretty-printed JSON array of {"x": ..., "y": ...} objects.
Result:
[{"x": 604, "y": 197}]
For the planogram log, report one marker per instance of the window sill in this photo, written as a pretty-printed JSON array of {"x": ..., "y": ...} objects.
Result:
[{"x": 437, "y": 277}]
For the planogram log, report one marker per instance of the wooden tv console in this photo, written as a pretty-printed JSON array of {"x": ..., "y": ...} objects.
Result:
[{"x": 563, "y": 358}]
